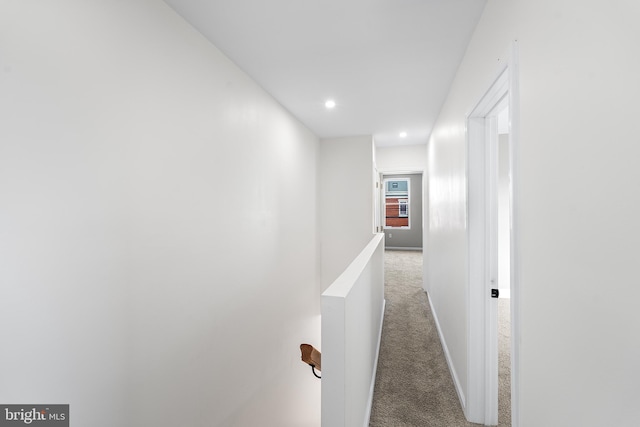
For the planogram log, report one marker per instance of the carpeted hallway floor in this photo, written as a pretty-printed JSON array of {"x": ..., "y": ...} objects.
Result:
[{"x": 413, "y": 382}]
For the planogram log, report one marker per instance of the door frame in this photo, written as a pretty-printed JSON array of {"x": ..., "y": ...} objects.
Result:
[
  {"x": 386, "y": 172},
  {"x": 482, "y": 351},
  {"x": 410, "y": 170}
]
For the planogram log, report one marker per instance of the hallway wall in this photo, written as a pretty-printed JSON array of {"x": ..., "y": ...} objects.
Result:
[
  {"x": 403, "y": 158},
  {"x": 346, "y": 175},
  {"x": 151, "y": 247},
  {"x": 577, "y": 205}
]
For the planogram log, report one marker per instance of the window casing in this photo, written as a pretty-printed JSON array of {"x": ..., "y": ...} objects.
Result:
[{"x": 397, "y": 203}]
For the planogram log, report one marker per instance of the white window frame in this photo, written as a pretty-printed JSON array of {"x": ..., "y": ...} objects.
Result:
[{"x": 406, "y": 200}]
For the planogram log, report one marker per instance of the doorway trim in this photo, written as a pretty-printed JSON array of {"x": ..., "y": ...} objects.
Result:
[
  {"x": 482, "y": 355},
  {"x": 386, "y": 173},
  {"x": 411, "y": 170}
]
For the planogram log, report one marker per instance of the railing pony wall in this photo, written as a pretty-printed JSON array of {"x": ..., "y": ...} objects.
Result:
[{"x": 352, "y": 315}]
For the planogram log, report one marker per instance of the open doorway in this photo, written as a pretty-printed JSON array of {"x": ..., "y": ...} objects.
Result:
[
  {"x": 492, "y": 233},
  {"x": 402, "y": 211},
  {"x": 504, "y": 268}
]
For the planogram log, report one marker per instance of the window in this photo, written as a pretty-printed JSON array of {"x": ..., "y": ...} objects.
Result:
[
  {"x": 403, "y": 205},
  {"x": 396, "y": 203}
]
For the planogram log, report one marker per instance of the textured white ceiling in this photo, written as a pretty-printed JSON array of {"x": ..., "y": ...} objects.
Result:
[{"x": 387, "y": 63}]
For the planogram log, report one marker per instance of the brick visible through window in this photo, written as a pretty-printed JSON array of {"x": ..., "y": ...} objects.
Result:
[{"x": 396, "y": 202}]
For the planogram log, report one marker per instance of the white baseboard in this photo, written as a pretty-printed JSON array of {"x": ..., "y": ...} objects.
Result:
[
  {"x": 402, "y": 248},
  {"x": 447, "y": 356},
  {"x": 367, "y": 418}
]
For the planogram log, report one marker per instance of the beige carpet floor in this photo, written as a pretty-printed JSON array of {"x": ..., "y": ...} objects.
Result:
[
  {"x": 504, "y": 363},
  {"x": 413, "y": 383}
]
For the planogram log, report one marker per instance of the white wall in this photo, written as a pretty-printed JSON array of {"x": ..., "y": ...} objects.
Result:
[
  {"x": 158, "y": 225},
  {"x": 346, "y": 202},
  {"x": 403, "y": 158},
  {"x": 577, "y": 205}
]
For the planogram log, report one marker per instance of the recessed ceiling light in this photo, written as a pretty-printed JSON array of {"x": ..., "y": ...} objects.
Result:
[
  {"x": 403, "y": 134},
  {"x": 330, "y": 103}
]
